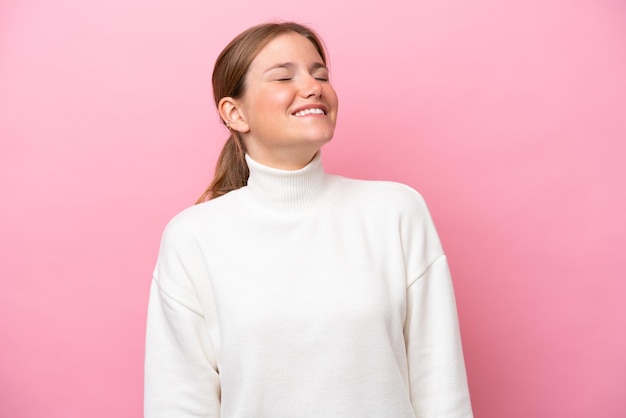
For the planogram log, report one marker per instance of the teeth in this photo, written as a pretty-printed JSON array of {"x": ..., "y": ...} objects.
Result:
[{"x": 314, "y": 111}]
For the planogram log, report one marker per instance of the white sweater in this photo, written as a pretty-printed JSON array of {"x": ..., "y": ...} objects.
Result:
[{"x": 304, "y": 294}]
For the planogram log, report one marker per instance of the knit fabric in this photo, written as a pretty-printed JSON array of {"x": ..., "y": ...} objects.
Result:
[{"x": 304, "y": 294}]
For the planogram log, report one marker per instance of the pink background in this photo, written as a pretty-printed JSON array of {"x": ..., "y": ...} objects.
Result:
[{"x": 509, "y": 117}]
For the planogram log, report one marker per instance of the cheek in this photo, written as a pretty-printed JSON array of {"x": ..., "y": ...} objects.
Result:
[
  {"x": 283, "y": 99},
  {"x": 331, "y": 95},
  {"x": 275, "y": 99}
]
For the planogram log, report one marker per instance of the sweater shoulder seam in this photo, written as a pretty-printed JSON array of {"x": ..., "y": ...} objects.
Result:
[
  {"x": 174, "y": 299},
  {"x": 419, "y": 276}
]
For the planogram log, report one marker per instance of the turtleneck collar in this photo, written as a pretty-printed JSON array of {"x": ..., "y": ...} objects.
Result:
[{"x": 287, "y": 191}]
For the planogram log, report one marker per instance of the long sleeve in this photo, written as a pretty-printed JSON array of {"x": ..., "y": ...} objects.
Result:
[
  {"x": 437, "y": 378},
  {"x": 181, "y": 378}
]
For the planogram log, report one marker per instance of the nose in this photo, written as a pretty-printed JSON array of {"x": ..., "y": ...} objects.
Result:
[{"x": 311, "y": 87}]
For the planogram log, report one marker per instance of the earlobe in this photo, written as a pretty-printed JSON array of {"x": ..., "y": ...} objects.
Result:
[{"x": 231, "y": 115}]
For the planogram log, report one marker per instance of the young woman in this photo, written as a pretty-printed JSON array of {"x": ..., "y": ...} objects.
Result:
[{"x": 289, "y": 292}]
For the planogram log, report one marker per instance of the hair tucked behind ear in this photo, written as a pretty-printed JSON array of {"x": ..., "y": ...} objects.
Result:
[{"x": 231, "y": 66}]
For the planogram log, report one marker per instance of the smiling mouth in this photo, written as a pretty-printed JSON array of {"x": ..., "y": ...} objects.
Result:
[{"x": 312, "y": 111}]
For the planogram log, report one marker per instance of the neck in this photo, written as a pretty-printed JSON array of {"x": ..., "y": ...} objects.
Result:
[
  {"x": 284, "y": 191},
  {"x": 289, "y": 158}
]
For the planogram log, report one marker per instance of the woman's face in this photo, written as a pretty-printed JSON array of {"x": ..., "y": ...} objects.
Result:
[{"x": 289, "y": 106}]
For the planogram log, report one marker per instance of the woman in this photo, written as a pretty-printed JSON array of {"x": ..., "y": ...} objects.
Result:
[{"x": 291, "y": 292}]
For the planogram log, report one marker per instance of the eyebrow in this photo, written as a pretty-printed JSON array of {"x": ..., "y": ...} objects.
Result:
[{"x": 290, "y": 65}]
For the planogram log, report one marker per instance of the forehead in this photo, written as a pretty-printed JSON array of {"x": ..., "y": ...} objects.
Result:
[{"x": 287, "y": 47}]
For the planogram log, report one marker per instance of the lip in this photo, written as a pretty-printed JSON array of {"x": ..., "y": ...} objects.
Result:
[{"x": 311, "y": 106}]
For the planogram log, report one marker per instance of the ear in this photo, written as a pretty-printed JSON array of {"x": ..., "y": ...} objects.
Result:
[{"x": 231, "y": 114}]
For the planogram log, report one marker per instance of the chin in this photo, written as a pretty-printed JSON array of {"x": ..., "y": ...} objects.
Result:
[
  {"x": 322, "y": 137},
  {"x": 321, "y": 141}
]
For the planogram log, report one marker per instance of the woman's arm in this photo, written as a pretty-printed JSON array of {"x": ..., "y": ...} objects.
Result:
[
  {"x": 437, "y": 378},
  {"x": 181, "y": 379},
  {"x": 181, "y": 373}
]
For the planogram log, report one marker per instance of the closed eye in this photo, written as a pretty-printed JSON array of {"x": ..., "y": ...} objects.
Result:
[{"x": 320, "y": 75}]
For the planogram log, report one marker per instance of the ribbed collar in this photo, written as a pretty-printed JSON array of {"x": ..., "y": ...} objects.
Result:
[{"x": 286, "y": 191}]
